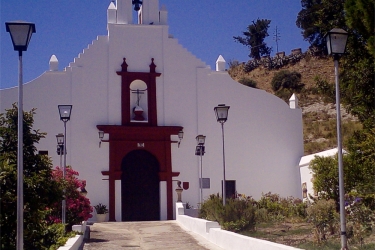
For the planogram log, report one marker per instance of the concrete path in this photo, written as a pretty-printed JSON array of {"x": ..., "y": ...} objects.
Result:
[{"x": 144, "y": 235}]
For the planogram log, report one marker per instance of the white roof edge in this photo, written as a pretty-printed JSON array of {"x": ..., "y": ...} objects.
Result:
[{"x": 305, "y": 160}]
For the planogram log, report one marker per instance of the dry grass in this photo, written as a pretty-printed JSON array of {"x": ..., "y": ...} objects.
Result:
[
  {"x": 319, "y": 118},
  {"x": 301, "y": 235}
]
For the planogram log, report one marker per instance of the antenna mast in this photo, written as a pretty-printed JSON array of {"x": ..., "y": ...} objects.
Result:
[{"x": 276, "y": 37}]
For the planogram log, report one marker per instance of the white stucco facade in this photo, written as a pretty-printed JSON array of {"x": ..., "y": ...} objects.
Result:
[{"x": 263, "y": 135}]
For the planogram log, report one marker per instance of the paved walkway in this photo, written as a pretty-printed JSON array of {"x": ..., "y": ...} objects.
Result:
[{"x": 144, "y": 235}]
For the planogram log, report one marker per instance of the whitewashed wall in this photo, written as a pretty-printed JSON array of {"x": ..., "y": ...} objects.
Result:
[{"x": 263, "y": 136}]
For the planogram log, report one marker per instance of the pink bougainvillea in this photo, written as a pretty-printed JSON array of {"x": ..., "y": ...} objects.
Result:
[{"x": 78, "y": 207}]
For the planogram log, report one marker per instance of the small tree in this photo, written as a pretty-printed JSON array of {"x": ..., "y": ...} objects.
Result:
[
  {"x": 40, "y": 190},
  {"x": 254, "y": 38},
  {"x": 285, "y": 79},
  {"x": 317, "y": 17},
  {"x": 326, "y": 177},
  {"x": 285, "y": 83}
]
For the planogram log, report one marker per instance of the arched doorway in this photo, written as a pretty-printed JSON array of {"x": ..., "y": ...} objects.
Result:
[{"x": 140, "y": 195}]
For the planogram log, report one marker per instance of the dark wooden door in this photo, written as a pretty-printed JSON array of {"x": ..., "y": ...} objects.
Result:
[{"x": 140, "y": 196}]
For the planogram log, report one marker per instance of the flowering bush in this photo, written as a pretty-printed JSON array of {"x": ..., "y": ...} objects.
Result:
[
  {"x": 78, "y": 207},
  {"x": 360, "y": 219}
]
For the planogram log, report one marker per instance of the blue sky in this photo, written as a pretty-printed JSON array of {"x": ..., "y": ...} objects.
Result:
[{"x": 206, "y": 28}]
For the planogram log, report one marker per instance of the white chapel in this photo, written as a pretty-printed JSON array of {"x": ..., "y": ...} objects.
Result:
[{"x": 140, "y": 87}]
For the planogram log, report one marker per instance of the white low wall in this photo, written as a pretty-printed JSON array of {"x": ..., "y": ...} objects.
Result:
[
  {"x": 222, "y": 238},
  {"x": 75, "y": 242}
]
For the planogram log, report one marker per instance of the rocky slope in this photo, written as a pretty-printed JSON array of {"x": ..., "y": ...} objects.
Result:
[{"x": 319, "y": 116}]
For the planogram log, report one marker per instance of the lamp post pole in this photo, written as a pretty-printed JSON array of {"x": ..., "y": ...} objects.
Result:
[
  {"x": 20, "y": 156},
  {"x": 200, "y": 152},
  {"x": 340, "y": 161},
  {"x": 65, "y": 112},
  {"x": 60, "y": 151},
  {"x": 201, "y": 182},
  {"x": 64, "y": 171},
  {"x": 336, "y": 43},
  {"x": 222, "y": 115},
  {"x": 224, "y": 179},
  {"x": 20, "y": 33}
]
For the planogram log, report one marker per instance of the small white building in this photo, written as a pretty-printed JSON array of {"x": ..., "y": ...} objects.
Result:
[
  {"x": 141, "y": 87},
  {"x": 307, "y": 174}
]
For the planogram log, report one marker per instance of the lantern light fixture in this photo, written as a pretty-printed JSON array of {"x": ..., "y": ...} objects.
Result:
[
  {"x": 20, "y": 33},
  {"x": 60, "y": 139},
  {"x": 336, "y": 41},
  {"x": 101, "y": 136},
  {"x": 200, "y": 139},
  {"x": 180, "y": 137},
  {"x": 221, "y": 112},
  {"x": 65, "y": 111}
]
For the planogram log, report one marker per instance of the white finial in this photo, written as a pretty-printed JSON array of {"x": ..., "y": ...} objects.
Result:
[
  {"x": 293, "y": 102},
  {"x": 53, "y": 63},
  {"x": 111, "y": 13},
  {"x": 220, "y": 63},
  {"x": 163, "y": 15}
]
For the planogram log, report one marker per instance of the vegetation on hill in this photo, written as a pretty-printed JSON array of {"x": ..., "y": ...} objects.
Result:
[
  {"x": 318, "y": 111},
  {"x": 317, "y": 100},
  {"x": 317, "y": 96}
]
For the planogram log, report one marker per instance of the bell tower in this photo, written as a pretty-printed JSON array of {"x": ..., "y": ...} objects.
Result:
[
  {"x": 148, "y": 12},
  {"x": 138, "y": 96}
]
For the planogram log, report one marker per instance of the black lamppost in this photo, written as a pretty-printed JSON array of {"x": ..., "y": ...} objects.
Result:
[
  {"x": 60, "y": 146},
  {"x": 336, "y": 43},
  {"x": 180, "y": 137},
  {"x": 199, "y": 150},
  {"x": 101, "y": 136},
  {"x": 20, "y": 32},
  {"x": 65, "y": 112},
  {"x": 221, "y": 112}
]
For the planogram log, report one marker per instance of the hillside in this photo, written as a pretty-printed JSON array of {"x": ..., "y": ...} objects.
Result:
[{"x": 319, "y": 115}]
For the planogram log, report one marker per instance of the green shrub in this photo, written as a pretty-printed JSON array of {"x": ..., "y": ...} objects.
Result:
[
  {"x": 285, "y": 79},
  {"x": 325, "y": 89},
  {"x": 248, "y": 82},
  {"x": 322, "y": 214},
  {"x": 212, "y": 208},
  {"x": 272, "y": 207},
  {"x": 237, "y": 215},
  {"x": 55, "y": 236}
]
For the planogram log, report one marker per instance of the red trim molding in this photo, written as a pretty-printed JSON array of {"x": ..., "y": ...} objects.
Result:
[
  {"x": 126, "y": 79},
  {"x": 156, "y": 140}
]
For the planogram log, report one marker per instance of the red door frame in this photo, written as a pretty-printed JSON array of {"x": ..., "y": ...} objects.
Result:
[
  {"x": 132, "y": 136},
  {"x": 156, "y": 140}
]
